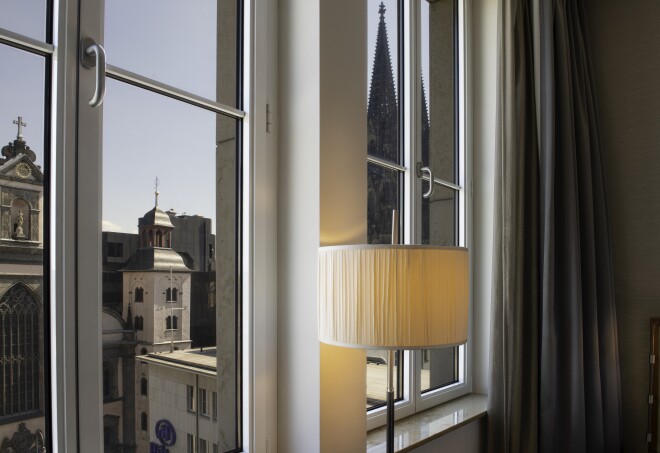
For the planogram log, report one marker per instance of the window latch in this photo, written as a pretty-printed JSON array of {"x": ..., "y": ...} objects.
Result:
[{"x": 420, "y": 174}]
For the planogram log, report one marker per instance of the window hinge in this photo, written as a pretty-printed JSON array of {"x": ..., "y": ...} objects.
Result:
[
  {"x": 650, "y": 399},
  {"x": 652, "y": 359},
  {"x": 268, "y": 123}
]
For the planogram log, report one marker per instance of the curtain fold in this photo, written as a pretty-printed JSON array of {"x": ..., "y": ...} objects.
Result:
[
  {"x": 555, "y": 384},
  {"x": 513, "y": 396}
]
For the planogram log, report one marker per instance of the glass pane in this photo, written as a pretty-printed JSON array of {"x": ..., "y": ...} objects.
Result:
[
  {"x": 26, "y": 17},
  {"x": 439, "y": 368},
  {"x": 383, "y": 83},
  {"x": 191, "y": 48},
  {"x": 438, "y": 97},
  {"x": 384, "y": 195},
  {"x": 23, "y": 297},
  {"x": 169, "y": 235},
  {"x": 377, "y": 377},
  {"x": 439, "y": 217},
  {"x": 384, "y": 185}
]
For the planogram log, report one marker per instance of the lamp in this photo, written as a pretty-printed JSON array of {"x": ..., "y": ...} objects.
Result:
[{"x": 393, "y": 297}]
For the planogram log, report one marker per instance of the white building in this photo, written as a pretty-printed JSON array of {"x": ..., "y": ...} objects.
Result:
[{"x": 177, "y": 402}]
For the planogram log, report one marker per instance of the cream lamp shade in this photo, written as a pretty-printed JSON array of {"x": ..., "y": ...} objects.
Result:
[{"x": 393, "y": 296}]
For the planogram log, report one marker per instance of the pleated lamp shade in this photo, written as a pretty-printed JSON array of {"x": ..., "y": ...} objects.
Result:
[{"x": 393, "y": 296}]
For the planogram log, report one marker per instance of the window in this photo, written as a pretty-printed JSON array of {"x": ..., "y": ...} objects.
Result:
[
  {"x": 166, "y": 102},
  {"x": 202, "y": 446},
  {"x": 190, "y": 443},
  {"x": 107, "y": 376},
  {"x": 115, "y": 250},
  {"x": 171, "y": 295},
  {"x": 214, "y": 405},
  {"x": 143, "y": 387},
  {"x": 168, "y": 323},
  {"x": 20, "y": 363},
  {"x": 190, "y": 394},
  {"x": 144, "y": 425},
  {"x": 416, "y": 47},
  {"x": 203, "y": 402}
]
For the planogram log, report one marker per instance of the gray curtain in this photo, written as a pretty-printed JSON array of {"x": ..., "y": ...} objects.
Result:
[{"x": 555, "y": 384}]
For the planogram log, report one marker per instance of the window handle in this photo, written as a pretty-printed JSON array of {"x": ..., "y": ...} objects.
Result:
[
  {"x": 92, "y": 55},
  {"x": 420, "y": 174}
]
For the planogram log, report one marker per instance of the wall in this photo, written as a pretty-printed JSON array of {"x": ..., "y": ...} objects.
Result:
[
  {"x": 624, "y": 41},
  {"x": 298, "y": 376}
]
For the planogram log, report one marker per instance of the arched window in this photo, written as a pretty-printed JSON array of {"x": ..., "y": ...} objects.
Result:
[
  {"x": 171, "y": 295},
  {"x": 168, "y": 323},
  {"x": 143, "y": 422},
  {"x": 141, "y": 321},
  {"x": 143, "y": 386},
  {"x": 175, "y": 323},
  {"x": 136, "y": 323},
  {"x": 151, "y": 238},
  {"x": 139, "y": 295},
  {"x": 143, "y": 351},
  {"x": 159, "y": 239},
  {"x": 20, "y": 320}
]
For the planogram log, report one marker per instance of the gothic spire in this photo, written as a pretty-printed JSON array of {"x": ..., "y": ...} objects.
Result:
[{"x": 382, "y": 110}]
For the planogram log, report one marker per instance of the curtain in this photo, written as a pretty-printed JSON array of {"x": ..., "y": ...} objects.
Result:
[
  {"x": 555, "y": 384},
  {"x": 513, "y": 395}
]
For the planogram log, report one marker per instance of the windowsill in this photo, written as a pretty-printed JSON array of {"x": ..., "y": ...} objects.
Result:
[{"x": 421, "y": 428}]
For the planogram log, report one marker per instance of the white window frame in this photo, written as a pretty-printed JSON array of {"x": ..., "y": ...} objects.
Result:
[
  {"x": 413, "y": 400},
  {"x": 76, "y": 405}
]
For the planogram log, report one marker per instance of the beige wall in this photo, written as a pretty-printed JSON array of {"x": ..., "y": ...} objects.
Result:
[{"x": 625, "y": 39}]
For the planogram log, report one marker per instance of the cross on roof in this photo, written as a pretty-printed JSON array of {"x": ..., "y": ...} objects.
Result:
[
  {"x": 21, "y": 124},
  {"x": 381, "y": 10}
]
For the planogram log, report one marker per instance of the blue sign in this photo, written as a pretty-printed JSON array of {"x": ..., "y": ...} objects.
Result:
[
  {"x": 155, "y": 448},
  {"x": 165, "y": 433}
]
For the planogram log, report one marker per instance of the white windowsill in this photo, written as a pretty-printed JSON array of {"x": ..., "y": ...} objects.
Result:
[{"x": 423, "y": 427}]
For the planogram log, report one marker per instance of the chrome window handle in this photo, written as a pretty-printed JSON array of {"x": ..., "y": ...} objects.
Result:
[
  {"x": 92, "y": 55},
  {"x": 420, "y": 174}
]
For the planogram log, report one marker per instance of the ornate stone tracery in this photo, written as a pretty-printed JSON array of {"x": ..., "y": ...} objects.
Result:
[{"x": 20, "y": 358}]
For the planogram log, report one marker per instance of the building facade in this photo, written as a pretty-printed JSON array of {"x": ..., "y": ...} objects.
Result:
[{"x": 22, "y": 386}]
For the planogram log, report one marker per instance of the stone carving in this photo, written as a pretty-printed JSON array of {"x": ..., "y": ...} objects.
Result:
[
  {"x": 10, "y": 193},
  {"x": 24, "y": 441},
  {"x": 19, "y": 225},
  {"x": 6, "y": 221},
  {"x": 34, "y": 224}
]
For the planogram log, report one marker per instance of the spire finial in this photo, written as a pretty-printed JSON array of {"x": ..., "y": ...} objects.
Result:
[
  {"x": 156, "y": 193},
  {"x": 381, "y": 10},
  {"x": 21, "y": 124}
]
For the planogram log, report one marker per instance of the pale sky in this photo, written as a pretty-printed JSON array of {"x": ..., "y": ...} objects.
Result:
[{"x": 145, "y": 135}]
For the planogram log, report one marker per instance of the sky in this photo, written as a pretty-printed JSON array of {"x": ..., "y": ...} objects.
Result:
[{"x": 145, "y": 135}]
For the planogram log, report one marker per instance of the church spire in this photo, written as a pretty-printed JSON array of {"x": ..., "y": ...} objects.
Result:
[
  {"x": 382, "y": 110},
  {"x": 156, "y": 193}
]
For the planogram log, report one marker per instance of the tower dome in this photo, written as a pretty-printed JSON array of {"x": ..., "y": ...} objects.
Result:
[{"x": 155, "y": 227}]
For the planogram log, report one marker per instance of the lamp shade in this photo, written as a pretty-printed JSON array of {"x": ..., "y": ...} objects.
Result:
[{"x": 393, "y": 296}]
